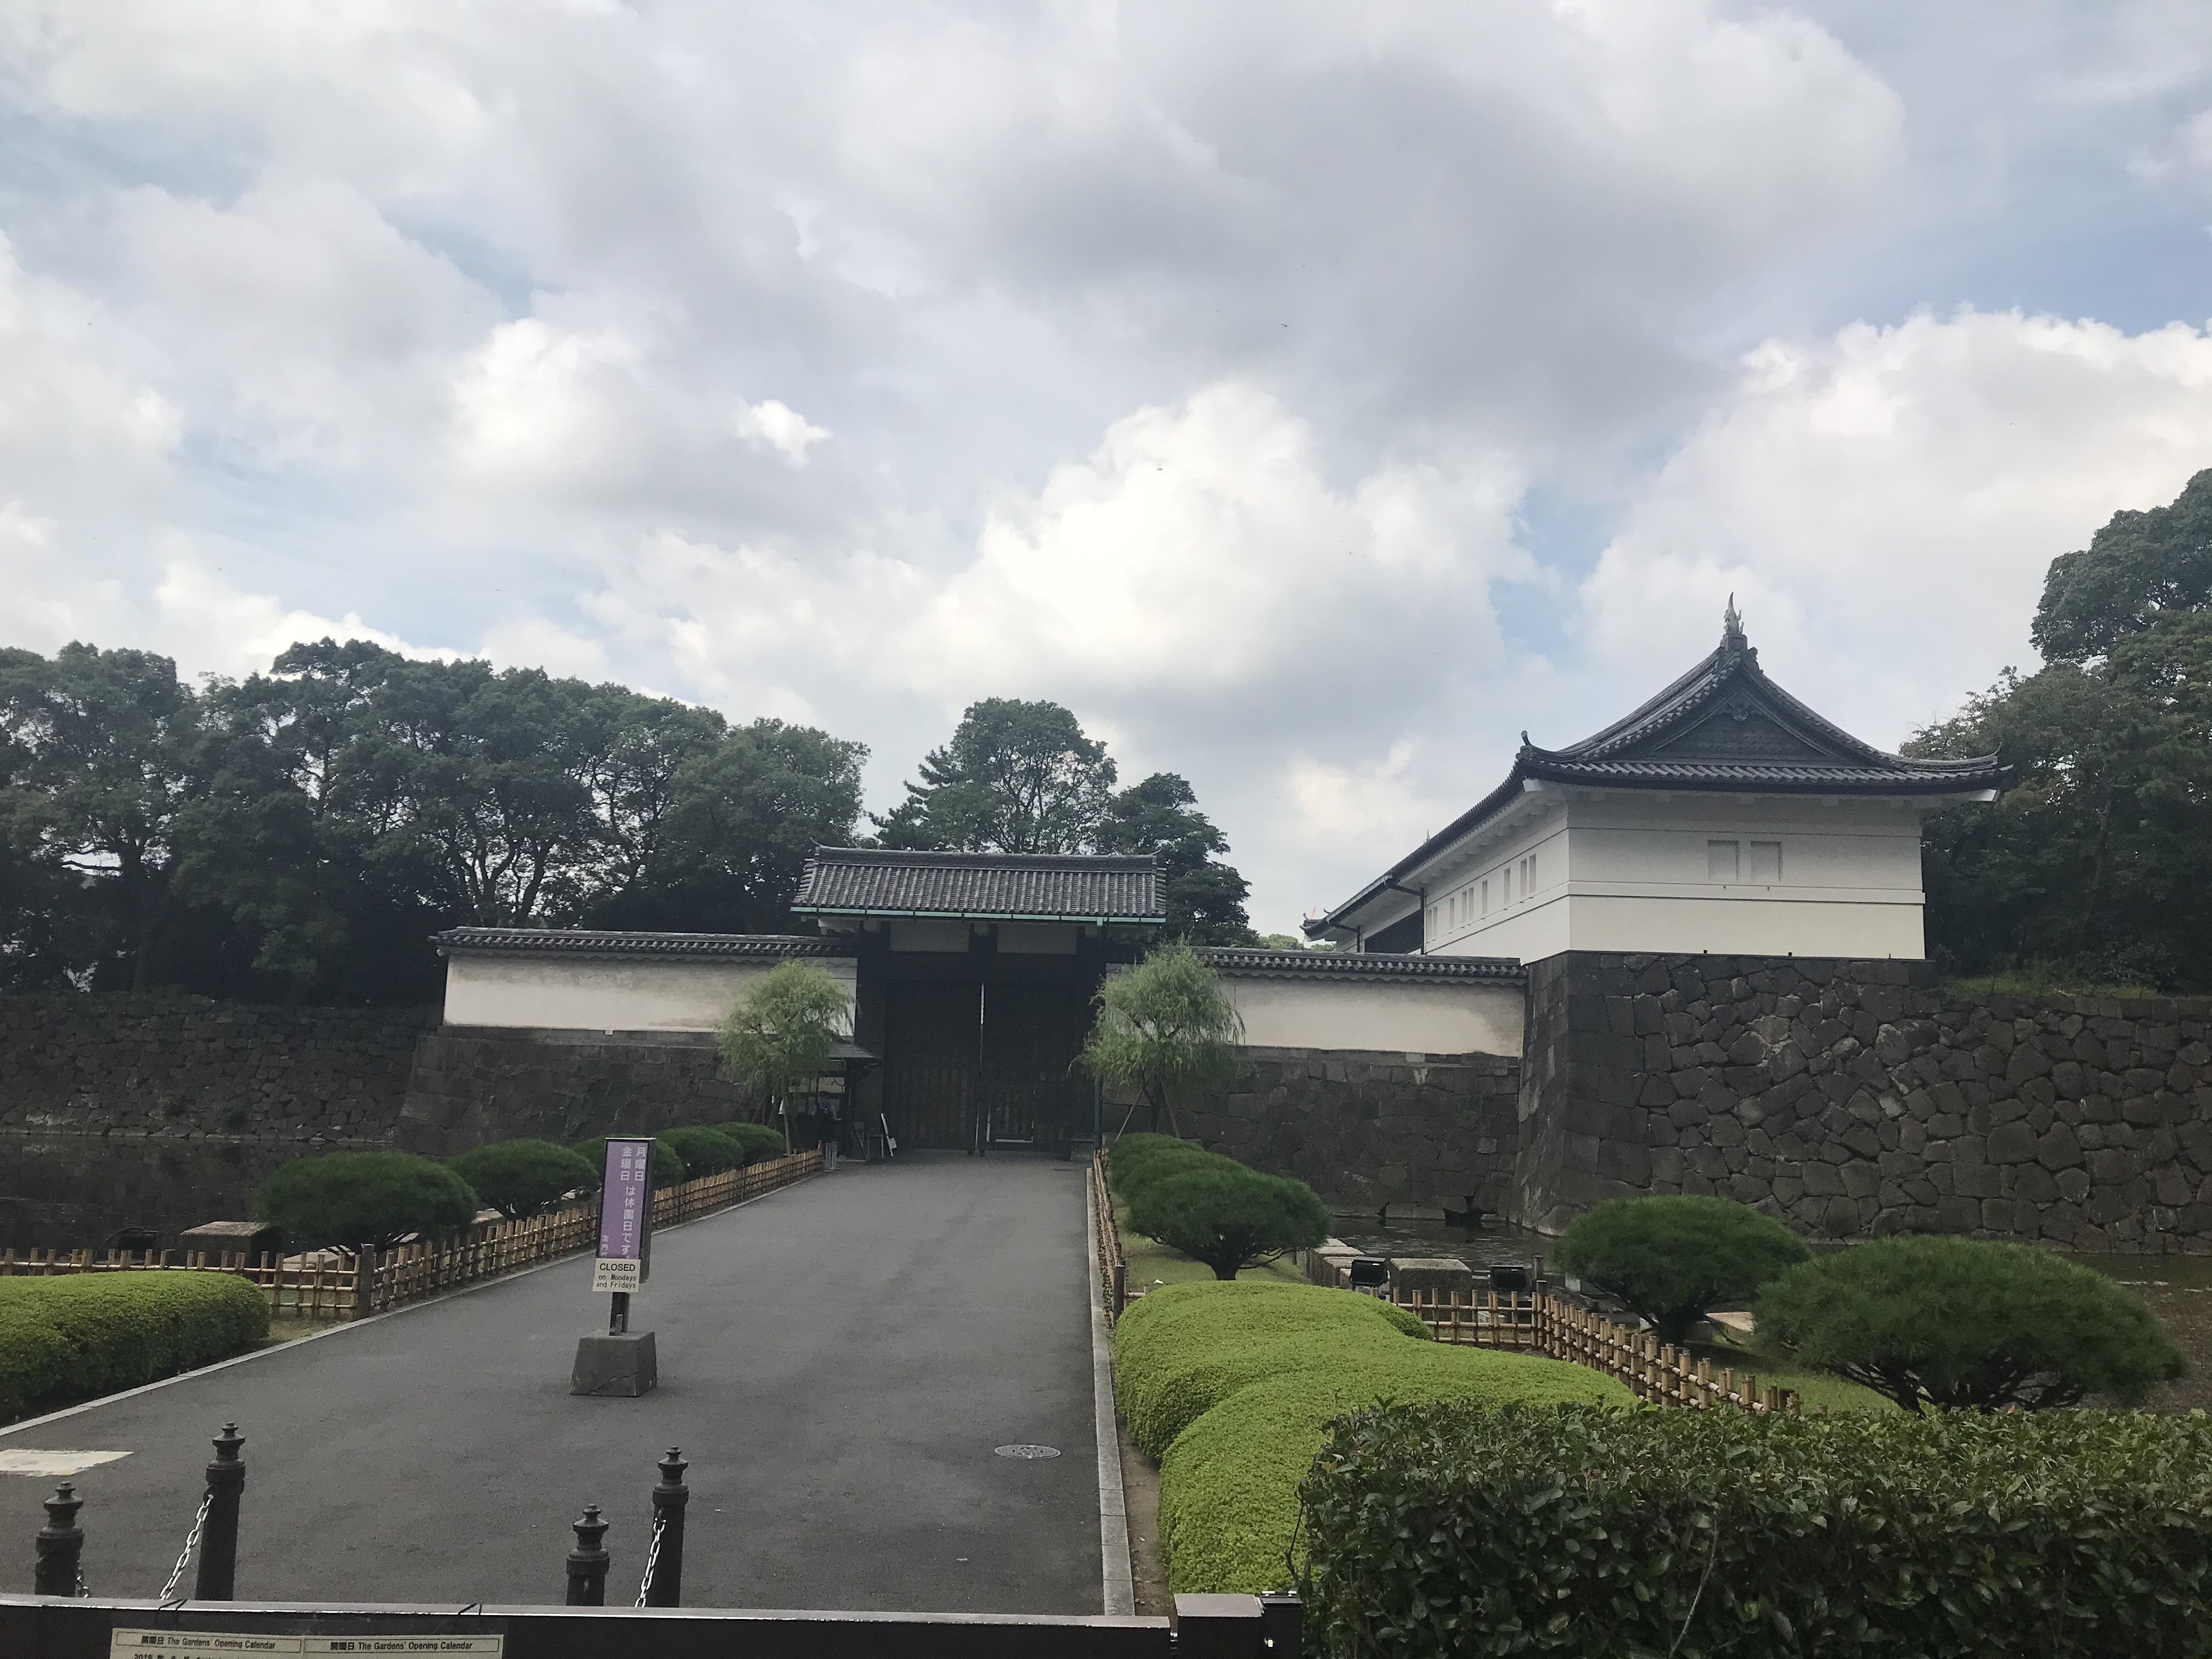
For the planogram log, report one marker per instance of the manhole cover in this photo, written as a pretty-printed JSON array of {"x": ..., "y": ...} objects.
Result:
[{"x": 1026, "y": 1451}]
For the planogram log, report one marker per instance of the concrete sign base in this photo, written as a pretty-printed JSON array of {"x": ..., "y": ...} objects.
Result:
[{"x": 621, "y": 1367}]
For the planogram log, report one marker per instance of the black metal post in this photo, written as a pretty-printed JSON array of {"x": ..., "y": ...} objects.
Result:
[
  {"x": 1282, "y": 1622},
  {"x": 587, "y": 1562},
  {"x": 618, "y": 1315},
  {"x": 669, "y": 1498},
  {"x": 61, "y": 1545},
  {"x": 226, "y": 1484}
]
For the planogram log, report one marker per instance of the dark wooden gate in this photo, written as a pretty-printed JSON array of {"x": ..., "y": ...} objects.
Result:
[
  {"x": 930, "y": 1081},
  {"x": 1031, "y": 1032}
]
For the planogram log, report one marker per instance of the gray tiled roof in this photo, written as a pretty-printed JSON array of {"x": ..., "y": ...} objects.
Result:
[
  {"x": 594, "y": 942},
  {"x": 1006, "y": 886},
  {"x": 1721, "y": 726},
  {"x": 1235, "y": 962}
]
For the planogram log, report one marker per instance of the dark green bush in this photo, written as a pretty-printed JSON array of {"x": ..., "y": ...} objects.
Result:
[
  {"x": 74, "y": 1336},
  {"x": 704, "y": 1151},
  {"x": 668, "y": 1168},
  {"x": 521, "y": 1178},
  {"x": 1140, "y": 1159},
  {"x": 759, "y": 1142},
  {"x": 1967, "y": 1322},
  {"x": 1577, "y": 1531},
  {"x": 349, "y": 1199},
  {"x": 1670, "y": 1259},
  {"x": 1228, "y": 1217}
]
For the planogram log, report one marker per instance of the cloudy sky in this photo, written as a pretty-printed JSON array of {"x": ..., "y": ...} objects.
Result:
[{"x": 1309, "y": 395}]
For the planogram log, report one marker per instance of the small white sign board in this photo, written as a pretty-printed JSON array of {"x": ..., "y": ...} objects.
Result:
[
  {"x": 200, "y": 1643},
  {"x": 615, "y": 1273}
]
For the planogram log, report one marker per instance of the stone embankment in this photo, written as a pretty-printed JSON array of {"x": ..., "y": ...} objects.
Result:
[{"x": 1861, "y": 1098}]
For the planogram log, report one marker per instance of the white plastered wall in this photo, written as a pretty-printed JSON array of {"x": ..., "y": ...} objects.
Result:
[
  {"x": 606, "y": 994},
  {"x": 1623, "y": 872},
  {"x": 1396, "y": 1016}
]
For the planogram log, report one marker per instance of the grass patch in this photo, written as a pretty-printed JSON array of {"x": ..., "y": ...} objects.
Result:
[
  {"x": 1815, "y": 1388},
  {"x": 1230, "y": 1385}
]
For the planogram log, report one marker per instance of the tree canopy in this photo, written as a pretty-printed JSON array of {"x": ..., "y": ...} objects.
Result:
[
  {"x": 1164, "y": 1025},
  {"x": 783, "y": 1030},
  {"x": 2097, "y": 862},
  {"x": 1022, "y": 777},
  {"x": 1670, "y": 1258},
  {"x": 299, "y": 833}
]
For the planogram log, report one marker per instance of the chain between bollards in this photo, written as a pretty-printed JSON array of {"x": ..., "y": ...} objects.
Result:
[
  {"x": 60, "y": 1546},
  {"x": 587, "y": 1562}
]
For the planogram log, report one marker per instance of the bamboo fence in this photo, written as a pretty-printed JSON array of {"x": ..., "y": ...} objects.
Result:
[
  {"x": 1113, "y": 1265},
  {"x": 339, "y": 1285}
]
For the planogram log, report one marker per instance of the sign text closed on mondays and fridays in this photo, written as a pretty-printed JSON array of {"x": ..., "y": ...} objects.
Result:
[{"x": 625, "y": 1218}]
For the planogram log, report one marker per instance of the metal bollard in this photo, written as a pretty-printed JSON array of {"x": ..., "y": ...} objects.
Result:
[
  {"x": 1282, "y": 1622},
  {"x": 669, "y": 1498},
  {"x": 587, "y": 1562},
  {"x": 61, "y": 1545},
  {"x": 226, "y": 1484}
]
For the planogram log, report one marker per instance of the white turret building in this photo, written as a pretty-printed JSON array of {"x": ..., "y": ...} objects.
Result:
[{"x": 1722, "y": 817}]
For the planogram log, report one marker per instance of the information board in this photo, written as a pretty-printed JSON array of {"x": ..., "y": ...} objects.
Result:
[{"x": 625, "y": 1258}]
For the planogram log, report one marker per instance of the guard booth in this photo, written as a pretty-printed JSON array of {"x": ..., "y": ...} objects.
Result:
[{"x": 974, "y": 978}]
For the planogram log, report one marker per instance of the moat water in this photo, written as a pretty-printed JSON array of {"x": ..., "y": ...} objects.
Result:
[{"x": 76, "y": 1192}]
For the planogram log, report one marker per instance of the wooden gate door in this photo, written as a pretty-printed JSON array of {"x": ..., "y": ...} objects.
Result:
[
  {"x": 1030, "y": 1036},
  {"x": 930, "y": 1090}
]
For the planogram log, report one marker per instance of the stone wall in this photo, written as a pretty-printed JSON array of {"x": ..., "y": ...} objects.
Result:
[
  {"x": 1859, "y": 1098},
  {"x": 135, "y": 1065},
  {"x": 474, "y": 1085},
  {"x": 1366, "y": 1129}
]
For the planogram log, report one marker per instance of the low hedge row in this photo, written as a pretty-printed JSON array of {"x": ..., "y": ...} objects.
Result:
[
  {"x": 1440, "y": 1528},
  {"x": 76, "y": 1335},
  {"x": 759, "y": 1142},
  {"x": 1230, "y": 1384}
]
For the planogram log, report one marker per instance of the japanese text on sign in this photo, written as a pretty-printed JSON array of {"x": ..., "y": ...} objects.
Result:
[{"x": 625, "y": 1217}]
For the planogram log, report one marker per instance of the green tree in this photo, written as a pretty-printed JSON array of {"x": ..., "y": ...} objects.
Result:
[
  {"x": 783, "y": 1032},
  {"x": 1230, "y": 1219},
  {"x": 1167, "y": 1024},
  {"x": 348, "y": 1199},
  {"x": 523, "y": 1178},
  {"x": 1671, "y": 1258},
  {"x": 1017, "y": 777},
  {"x": 101, "y": 750},
  {"x": 2097, "y": 863},
  {"x": 1160, "y": 818},
  {"x": 705, "y": 1151},
  {"x": 1966, "y": 1322}
]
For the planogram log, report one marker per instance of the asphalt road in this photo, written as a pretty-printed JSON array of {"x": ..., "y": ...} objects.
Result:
[{"x": 838, "y": 1360}]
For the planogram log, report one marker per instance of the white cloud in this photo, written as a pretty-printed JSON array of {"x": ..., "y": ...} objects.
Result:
[{"x": 1884, "y": 503}]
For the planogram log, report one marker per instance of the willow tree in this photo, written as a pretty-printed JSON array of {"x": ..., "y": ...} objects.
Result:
[
  {"x": 783, "y": 1032},
  {"x": 1165, "y": 1024}
]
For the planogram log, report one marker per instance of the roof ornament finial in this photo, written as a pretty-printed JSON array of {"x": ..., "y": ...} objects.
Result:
[{"x": 1732, "y": 625}]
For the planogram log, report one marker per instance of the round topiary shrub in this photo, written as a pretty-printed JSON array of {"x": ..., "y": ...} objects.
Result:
[
  {"x": 365, "y": 1197},
  {"x": 704, "y": 1151},
  {"x": 759, "y": 1142},
  {"x": 521, "y": 1178},
  {"x": 1967, "y": 1322},
  {"x": 1139, "y": 1159},
  {"x": 668, "y": 1167},
  {"x": 1230, "y": 1219},
  {"x": 1669, "y": 1258}
]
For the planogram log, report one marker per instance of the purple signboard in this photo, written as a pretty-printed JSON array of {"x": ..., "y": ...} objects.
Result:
[{"x": 625, "y": 1216}]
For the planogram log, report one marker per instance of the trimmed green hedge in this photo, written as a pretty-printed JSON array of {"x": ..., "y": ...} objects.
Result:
[
  {"x": 704, "y": 1151},
  {"x": 1230, "y": 1385},
  {"x": 73, "y": 1336},
  {"x": 1139, "y": 1158},
  {"x": 522, "y": 1178},
  {"x": 1438, "y": 1528},
  {"x": 759, "y": 1142}
]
